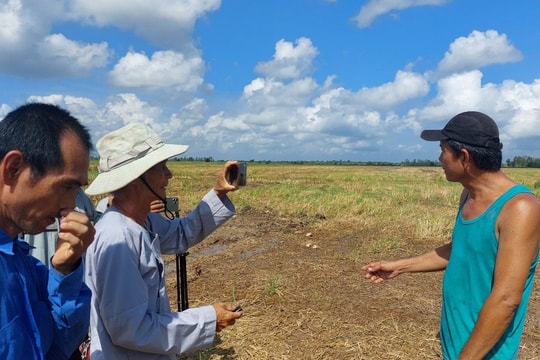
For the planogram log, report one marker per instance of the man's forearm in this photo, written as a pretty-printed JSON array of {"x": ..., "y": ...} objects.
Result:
[{"x": 492, "y": 322}]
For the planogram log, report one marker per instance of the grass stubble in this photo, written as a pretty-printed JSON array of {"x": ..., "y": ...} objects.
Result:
[{"x": 291, "y": 258}]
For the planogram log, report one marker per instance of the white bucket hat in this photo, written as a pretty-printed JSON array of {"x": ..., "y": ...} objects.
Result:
[{"x": 126, "y": 153}]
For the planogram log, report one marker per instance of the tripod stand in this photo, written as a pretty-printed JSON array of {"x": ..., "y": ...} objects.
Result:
[{"x": 171, "y": 205}]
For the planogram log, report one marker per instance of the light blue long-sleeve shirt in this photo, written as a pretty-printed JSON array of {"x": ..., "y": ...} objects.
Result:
[
  {"x": 131, "y": 316},
  {"x": 43, "y": 314}
]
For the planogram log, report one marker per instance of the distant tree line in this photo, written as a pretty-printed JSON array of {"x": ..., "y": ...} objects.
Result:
[
  {"x": 417, "y": 162},
  {"x": 523, "y": 162},
  {"x": 516, "y": 162},
  {"x": 197, "y": 159},
  {"x": 321, "y": 162}
]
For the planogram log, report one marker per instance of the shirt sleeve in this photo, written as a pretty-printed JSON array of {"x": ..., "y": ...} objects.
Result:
[
  {"x": 70, "y": 306},
  {"x": 179, "y": 234}
]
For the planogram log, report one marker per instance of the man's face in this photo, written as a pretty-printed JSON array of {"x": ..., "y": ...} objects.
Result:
[
  {"x": 34, "y": 204},
  {"x": 158, "y": 177},
  {"x": 452, "y": 164}
]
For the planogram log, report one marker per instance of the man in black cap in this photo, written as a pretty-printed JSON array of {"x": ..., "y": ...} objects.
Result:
[{"x": 491, "y": 260}]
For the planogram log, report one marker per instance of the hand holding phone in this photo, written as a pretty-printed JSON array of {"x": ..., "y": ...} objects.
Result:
[
  {"x": 171, "y": 204},
  {"x": 237, "y": 174}
]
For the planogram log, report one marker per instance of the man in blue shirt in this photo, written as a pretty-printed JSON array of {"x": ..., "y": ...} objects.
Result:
[{"x": 44, "y": 158}]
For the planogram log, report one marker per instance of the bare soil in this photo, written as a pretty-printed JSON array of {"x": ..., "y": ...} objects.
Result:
[{"x": 299, "y": 282}]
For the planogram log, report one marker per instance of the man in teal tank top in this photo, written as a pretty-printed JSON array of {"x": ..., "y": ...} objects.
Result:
[{"x": 491, "y": 261}]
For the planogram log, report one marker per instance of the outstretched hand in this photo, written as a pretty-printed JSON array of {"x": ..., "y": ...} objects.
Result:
[{"x": 380, "y": 271}]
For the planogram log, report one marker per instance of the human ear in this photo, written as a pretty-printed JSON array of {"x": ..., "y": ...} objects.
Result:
[
  {"x": 11, "y": 167},
  {"x": 465, "y": 156}
]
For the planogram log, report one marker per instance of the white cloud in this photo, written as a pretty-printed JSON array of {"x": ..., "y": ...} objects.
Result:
[
  {"x": 4, "y": 110},
  {"x": 455, "y": 93},
  {"x": 118, "y": 111},
  {"x": 24, "y": 21},
  {"x": 168, "y": 23},
  {"x": 56, "y": 99},
  {"x": 515, "y": 106},
  {"x": 262, "y": 93},
  {"x": 375, "y": 8},
  {"x": 519, "y": 107},
  {"x": 341, "y": 111},
  {"x": 125, "y": 108},
  {"x": 164, "y": 69},
  {"x": 82, "y": 108},
  {"x": 289, "y": 61},
  {"x": 130, "y": 108},
  {"x": 477, "y": 50},
  {"x": 341, "y": 121},
  {"x": 275, "y": 118},
  {"x": 523, "y": 124},
  {"x": 352, "y": 121},
  {"x": 12, "y": 24},
  {"x": 71, "y": 57},
  {"x": 283, "y": 111},
  {"x": 406, "y": 86},
  {"x": 29, "y": 50},
  {"x": 190, "y": 114}
]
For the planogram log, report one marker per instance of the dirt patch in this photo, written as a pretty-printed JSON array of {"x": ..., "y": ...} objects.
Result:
[{"x": 304, "y": 297}]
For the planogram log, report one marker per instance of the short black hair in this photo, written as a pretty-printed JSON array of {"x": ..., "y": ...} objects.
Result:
[
  {"x": 35, "y": 129},
  {"x": 488, "y": 159}
]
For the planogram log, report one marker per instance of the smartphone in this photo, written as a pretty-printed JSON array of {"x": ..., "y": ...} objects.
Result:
[
  {"x": 171, "y": 203},
  {"x": 242, "y": 179},
  {"x": 238, "y": 173}
]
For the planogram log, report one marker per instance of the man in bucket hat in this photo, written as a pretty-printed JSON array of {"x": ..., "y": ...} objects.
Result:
[
  {"x": 490, "y": 263},
  {"x": 130, "y": 312}
]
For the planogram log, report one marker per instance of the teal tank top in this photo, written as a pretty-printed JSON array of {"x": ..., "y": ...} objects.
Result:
[{"x": 468, "y": 280}]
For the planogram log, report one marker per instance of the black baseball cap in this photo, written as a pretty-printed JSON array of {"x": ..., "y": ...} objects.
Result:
[{"x": 471, "y": 128}]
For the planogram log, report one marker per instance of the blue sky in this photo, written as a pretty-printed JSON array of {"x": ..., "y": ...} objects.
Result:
[{"x": 280, "y": 79}]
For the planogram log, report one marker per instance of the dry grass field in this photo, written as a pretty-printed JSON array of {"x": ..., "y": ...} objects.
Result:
[{"x": 291, "y": 258}]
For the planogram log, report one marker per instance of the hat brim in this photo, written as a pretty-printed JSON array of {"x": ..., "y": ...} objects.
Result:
[
  {"x": 433, "y": 135},
  {"x": 117, "y": 178}
]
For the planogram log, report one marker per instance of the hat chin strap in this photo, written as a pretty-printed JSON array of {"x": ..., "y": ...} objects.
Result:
[{"x": 168, "y": 213}]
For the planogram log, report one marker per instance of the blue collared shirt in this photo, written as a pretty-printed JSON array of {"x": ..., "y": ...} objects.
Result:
[{"x": 43, "y": 314}]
